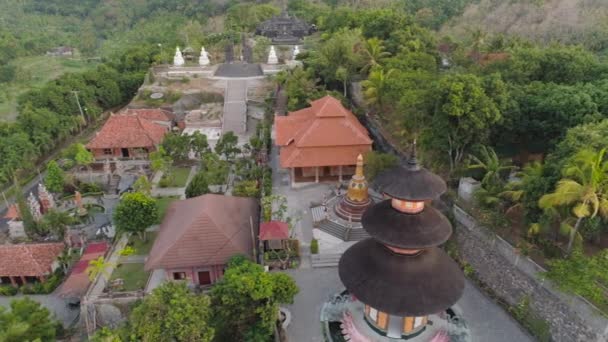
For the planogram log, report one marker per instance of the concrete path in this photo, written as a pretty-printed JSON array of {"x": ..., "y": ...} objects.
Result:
[
  {"x": 235, "y": 107},
  {"x": 133, "y": 259},
  {"x": 486, "y": 320}
]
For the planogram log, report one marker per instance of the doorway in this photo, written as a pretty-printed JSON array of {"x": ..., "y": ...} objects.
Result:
[
  {"x": 204, "y": 278},
  {"x": 125, "y": 152}
]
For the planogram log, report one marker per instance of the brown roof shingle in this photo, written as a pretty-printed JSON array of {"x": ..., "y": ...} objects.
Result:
[
  {"x": 128, "y": 131},
  {"x": 205, "y": 230},
  {"x": 324, "y": 134},
  {"x": 30, "y": 260},
  {"x": 152, "y": 114}
]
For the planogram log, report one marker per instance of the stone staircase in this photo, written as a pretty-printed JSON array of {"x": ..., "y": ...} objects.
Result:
[
  {"x": 325, "y": 260},
  {"x": 341, "y": 232}
]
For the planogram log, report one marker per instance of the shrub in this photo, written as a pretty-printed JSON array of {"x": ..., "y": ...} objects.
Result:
[
  {"x": 89, "y": 187},
  {"x": 314, "y": 246},
  {"x": 8, "y": 290}
]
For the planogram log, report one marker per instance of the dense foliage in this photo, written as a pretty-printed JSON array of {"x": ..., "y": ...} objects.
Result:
[
  {"x": 135, "y": 212},
  {"x": 27, "y": 320}
]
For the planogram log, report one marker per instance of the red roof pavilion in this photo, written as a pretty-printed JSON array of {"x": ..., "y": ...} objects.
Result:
[{"x": 28, "y": 260}]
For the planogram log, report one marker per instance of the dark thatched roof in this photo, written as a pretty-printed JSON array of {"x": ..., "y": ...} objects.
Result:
[
  {"x": 418, "y": 285},
  {"x": 410, "y": 182},
  {"x": 428, "y": 228}
]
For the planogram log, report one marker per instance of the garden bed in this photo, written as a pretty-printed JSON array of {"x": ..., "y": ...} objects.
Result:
[
  {"x": 142, "y": 247},
  {"x": 133, "y": 275},
  {"x": 177, "y": 178}
]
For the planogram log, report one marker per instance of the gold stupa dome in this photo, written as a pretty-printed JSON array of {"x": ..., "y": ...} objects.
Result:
[{"x": 358, "y": 187}]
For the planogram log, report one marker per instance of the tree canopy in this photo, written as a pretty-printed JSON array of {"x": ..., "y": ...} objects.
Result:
[
  {"x": 27, "y": 320},
  {"x": 135, "y": 212}
]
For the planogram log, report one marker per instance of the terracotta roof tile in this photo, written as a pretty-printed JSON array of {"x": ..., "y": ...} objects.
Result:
[
  {"x": 28, "y": 260},
  {"x": 205, "y": 230},
  {"x": 124, "y": 131},
  {"x": 324, "y": 134},
  {"x": 13, "y": 212},
  {"x": 274, "y": 230},
  {"x": 152, "y": 114}
]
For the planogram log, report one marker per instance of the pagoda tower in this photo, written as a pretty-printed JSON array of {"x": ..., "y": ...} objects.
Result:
[
  {"x": 356, "y": 200},
  {"x": 399, "y": 274}
]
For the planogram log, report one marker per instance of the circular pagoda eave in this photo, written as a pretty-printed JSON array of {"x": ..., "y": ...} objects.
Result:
[
  {"x": 407, "y": 183},
  {"x": 416, "y": 285},
  {"x": 412, "y": 231}
]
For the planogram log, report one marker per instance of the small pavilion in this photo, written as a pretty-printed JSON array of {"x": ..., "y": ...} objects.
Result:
[
  {"x": 273, "y": 234},
  {"x": 28, "y": 263}
]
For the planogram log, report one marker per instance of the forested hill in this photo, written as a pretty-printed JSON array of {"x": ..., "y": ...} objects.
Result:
[{"x": 544, "y": 21}]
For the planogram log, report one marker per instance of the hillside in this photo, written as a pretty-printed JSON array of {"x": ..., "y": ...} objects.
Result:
[{"x": 545, "y": 21}]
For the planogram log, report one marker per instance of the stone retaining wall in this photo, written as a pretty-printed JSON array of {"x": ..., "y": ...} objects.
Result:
[{"x": 512, "y": 276}]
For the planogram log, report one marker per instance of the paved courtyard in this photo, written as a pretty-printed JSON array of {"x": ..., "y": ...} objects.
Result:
[{"x": 486, "y": 320}]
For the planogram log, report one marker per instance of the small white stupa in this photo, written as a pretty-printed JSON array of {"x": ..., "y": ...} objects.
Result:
[
  {"x": 272, "y": 56},
  {"x": 203, "y": 60},
  {"x": 296, "y": 52},
  {"x": 178, "y": 59}
]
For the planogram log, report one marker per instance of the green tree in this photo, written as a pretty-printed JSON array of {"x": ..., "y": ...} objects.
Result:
[
  {"x": 375, "y": 87},
  {"x": 55, "y": 177},
  {"x": 584, "y": 189},
  {"x": 106, "y": 335},
  {"x": 197, "y": 186},
  {"x": 493, "y": 168},
  {"x": 98, "y": 267},
  {"x": 246, "y": 188},
  {"x": 246, "y": 301},
  {"x": 198, "y": 144},
  {"x": 30, "y": 226},
  {"x": 57, "y": 222},
  {"x": 173, "y": 313},
  {"x": 376, "y": 162},
  {"x": 215, "y": 169},
  {"x": 84, "y": 158},
  {"x": 160, "y": 161},
  {"x": 143, "y": 185},
  {"x": 463, "y": 116},
  {"x": 177, "y": 146},
  {"x": 374, "y": 53},
  {"x": 26, "y": 321},
  {"x": 135, "y": 212},
  {"x": 227, "y": 145}
]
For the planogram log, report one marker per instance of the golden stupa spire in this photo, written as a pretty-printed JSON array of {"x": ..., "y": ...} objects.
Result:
[{"x": 358, "y": 188}]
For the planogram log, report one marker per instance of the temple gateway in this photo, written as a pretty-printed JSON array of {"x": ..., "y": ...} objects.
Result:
[{"x": 285, "y": 29}]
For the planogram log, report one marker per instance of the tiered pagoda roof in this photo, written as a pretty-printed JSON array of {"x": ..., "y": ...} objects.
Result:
[{"x": 400, "y": 271}]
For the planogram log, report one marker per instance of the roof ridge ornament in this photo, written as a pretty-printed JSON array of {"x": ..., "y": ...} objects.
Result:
[{"x": 412, "y": 162}]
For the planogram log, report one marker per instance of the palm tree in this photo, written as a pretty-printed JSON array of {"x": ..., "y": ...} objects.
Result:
[
  {"x": 374, "y": 53},
  {"x": 584, "y": 188},
  {"x": 57, "y": 222},
  {"x": 516, "y": 191},
  {"x": 64, "y": 260},
  {"x": 98, "y": 267},
  {"x": 491, "y": 165},
  {"x": 374, "y": 87}
]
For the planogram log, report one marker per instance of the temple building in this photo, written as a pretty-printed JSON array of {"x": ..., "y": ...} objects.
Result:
[
  {"x": 352, "y": 206},
  {"x": 321, "y": 142},
  {"x": 285, "y": 29},
  {"x": 399, "y": 279}
]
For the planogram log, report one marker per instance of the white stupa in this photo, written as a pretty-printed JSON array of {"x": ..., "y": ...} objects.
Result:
[
  {"x": 272, "y": 56},
  {"x": 178, "y": 59},
  {"x": 296, "y": 52},
  {"x": 203, "y": 60}
]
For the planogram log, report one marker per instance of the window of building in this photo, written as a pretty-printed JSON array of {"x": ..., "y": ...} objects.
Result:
[
  {"x": 179, "y": 275},
  {"x": 107, "y": 151},
  {"x": 373, "y": 314}
]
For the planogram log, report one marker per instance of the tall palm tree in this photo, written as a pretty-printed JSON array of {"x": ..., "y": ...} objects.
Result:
[
  {"x": 584, "y": 189},
  {"x": 374, "y": 88},
  {"x": 374, "y": 52},
  {"x": 97, "y": 267},
  {"x": 491, "y": 165},
  {"x": 516, "y": 191},
  {"x": 57, "y": 222}
]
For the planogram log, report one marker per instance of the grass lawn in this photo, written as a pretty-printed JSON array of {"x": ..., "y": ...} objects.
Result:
[
  {"x": 133, "y": 275},
  {"x": 179, "y": 177},
  {"x": 163, "y": 203},
  {"x": 142, "y": 247},
  {"x": 35, "y": 72}
]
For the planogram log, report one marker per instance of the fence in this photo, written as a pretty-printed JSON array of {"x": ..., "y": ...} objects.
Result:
[{"x": 589, "y": 313}]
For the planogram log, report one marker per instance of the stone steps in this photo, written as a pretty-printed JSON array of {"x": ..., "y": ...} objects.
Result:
[
  {"x": 342, "y": 232},
  {"x": 325, "y": 260}
]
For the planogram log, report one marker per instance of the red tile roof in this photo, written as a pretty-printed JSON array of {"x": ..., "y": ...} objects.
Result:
[
  {"x": 152, "y": 114},
  {"x": 29, "y": 260},
  {"x": 324, "y": 134},
  {"x": 128, "y": 131},
  {"x": 274, "y": 230},
  {"x": 205, "y": 230},
  {"x": 13, "y": 212}
]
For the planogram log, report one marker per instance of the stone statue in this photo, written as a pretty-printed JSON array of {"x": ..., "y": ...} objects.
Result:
[
  {"x": 47, "y": 201},
  {"x": 80, "y": 209},
  {"x": 203, "y": 60},
  {"x": 272, "y": 56},
  {"x": 296, "y": 52},
  {"x": 178, "y": 59}
]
